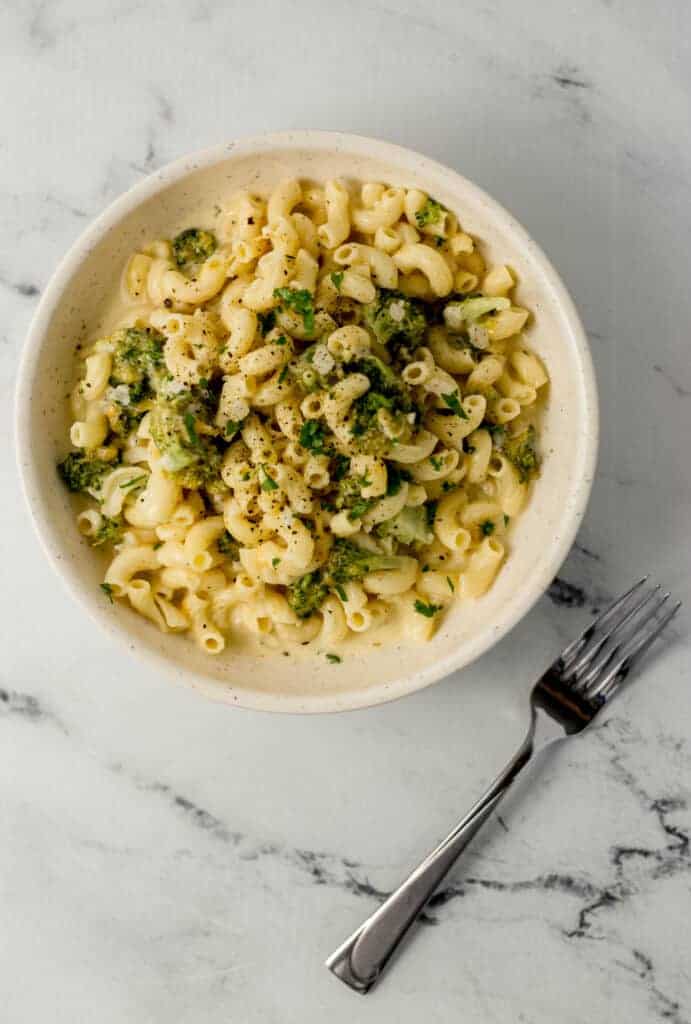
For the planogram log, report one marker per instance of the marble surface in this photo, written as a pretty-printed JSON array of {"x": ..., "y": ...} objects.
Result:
[{"x": 163, "y": 859}]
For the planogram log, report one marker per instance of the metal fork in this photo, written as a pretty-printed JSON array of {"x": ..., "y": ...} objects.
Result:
[{"x": 564, "y": 701}]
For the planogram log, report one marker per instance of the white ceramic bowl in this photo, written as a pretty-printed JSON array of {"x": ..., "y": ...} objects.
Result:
[{"x": 542, "y": 535}]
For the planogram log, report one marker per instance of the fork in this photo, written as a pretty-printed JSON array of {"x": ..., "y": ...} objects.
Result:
[{"x": 564, "y": 701}]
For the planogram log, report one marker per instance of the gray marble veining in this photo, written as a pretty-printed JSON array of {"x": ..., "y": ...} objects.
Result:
[{"x": 164, "y": 859}]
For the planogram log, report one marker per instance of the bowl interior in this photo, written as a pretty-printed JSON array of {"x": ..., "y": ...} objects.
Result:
[{"x": 172, "y": 199}]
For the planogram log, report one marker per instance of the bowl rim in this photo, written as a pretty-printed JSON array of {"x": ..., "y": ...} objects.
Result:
[{"x": 349, "y": 145}]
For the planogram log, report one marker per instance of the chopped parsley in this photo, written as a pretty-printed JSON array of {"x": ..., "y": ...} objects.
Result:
[
  {"x": 107, "y": 590},
  {"x": 268, "y": 483},
  {"x": 283, "y": 374},
  {"x": 282, "y": 340},
  {"x": 436, "y": 462},
  {"x": 190, "y": 422},
  {"x": 342, "y": 466},
  {"x": 451, "y": 400},
  {"x": 312, "y": 436},
  {"x": 450, "y": 582},
  {"x": 299, "y": 299},
  {"x": 428, "y": 610},
  {"x": 275, "y": 562},
  {"x": 341, "y": 592},
  {"x": 337, "y": 279},
  {"x": 334, "y": 659},
  {"x": 231, "y": 428},
  {"x": 134, "y": 482},
  {"x": 487, "y": 528}
]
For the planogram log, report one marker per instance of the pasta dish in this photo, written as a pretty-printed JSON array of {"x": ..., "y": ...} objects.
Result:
[{"x": 313, "y": 417}]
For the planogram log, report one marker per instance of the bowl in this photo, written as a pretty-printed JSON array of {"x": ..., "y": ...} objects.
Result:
[{"x": 541, "y": 538}]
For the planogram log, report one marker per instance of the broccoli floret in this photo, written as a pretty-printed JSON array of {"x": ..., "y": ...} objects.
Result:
[
  {"x": 429, "y": 214},
  {"x": 349, "y": 563},
  {"x": 200, "y": 399},
  {"x": 305, "y": 373},
  {"x": 393, "y": 316},
  {"x": 383, "y": 379},
  {"x": 194, "y": 245},
  {"x": 410, "y": 526},
  {"x": 137, "y": 360},
  {"x": 349, "y": 496},
  {"x": 124, "y": 411},
  {"x": 190, "y": 458},
  {"x": 307, "y": 594},
  {"x": 109, "y": 532},
  {"x": 364, "y": 416},
  {"x": 346, "y": 563},
  {"x": 387, "y": 391},
  {"x": 81, "y": 472},
  {"x": 458, "y": 314},
  {"x": 522, "y": 451}
]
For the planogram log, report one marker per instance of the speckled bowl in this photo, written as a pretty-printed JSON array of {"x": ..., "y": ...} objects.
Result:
[{"x": 541, "y": 538}]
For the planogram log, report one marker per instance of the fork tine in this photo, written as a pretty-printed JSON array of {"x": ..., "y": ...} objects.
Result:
[
  {"x": 590, "y": 651},
  {"x": 603, "y": 662},
  {"x": 631, "y": 653},
  {"x": 603, "y": 620}
]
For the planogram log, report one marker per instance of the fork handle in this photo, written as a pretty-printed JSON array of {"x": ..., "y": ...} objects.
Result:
[{"x": 361, "y": 959}]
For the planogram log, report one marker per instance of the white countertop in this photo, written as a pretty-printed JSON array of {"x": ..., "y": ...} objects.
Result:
[{"x": 168, "y": 860}]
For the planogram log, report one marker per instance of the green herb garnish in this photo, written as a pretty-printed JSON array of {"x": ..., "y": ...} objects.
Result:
[
  {"x": 359, "y": 508},
  {"x": 299, "y": 299},
  {"x": 337, "y": 279},
  {"x": 231, "y": 428},
  {"x": 428, "y": 610},
  {"x": 190, "y": 422},
  {"x": 134, "y": 482},
  {"x": 334, "y": 659},
  {"x": 312, "y": 436},
  {"x": 107, "y": 590},
  {"x": 451, "y": 400},
  {"x": 268, "y": 483}
]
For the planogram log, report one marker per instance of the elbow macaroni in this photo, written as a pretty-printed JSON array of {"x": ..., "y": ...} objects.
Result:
[{"x": 275, "y": 395}]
